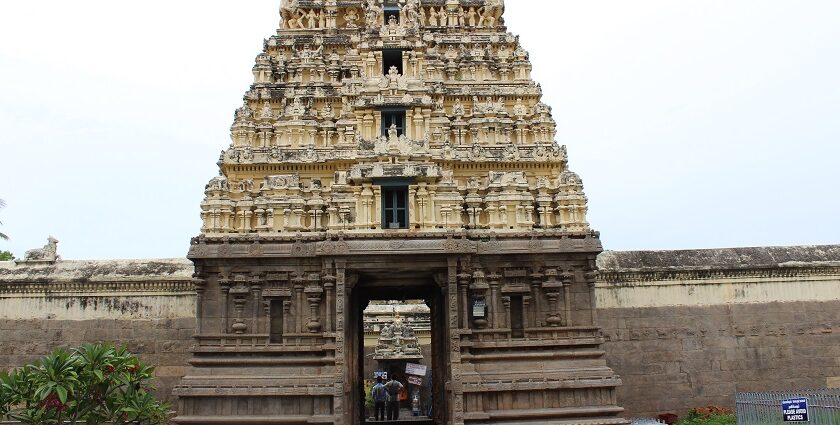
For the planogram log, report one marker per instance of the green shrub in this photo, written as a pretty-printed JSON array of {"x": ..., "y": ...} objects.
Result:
[
  {"x": 92, "y": 385},
  {"x": 699, "y": 418}
]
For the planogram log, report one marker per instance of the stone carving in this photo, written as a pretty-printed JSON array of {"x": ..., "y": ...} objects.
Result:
[
  {"x": 47, "y": 254},
  {"x": 373, "y": 14},
  {"x": 397, "y": 341},
  {"x": 350, "y": 18},
  {"x": 439, "y": 116}
]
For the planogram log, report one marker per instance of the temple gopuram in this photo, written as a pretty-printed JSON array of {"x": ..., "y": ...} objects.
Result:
[{"x": 392, "y": 150}]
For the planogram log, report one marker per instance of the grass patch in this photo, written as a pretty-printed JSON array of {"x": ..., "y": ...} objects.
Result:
[{"x": 705, "y": 417}]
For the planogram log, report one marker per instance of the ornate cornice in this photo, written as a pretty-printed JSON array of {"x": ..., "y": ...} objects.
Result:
[
  {"x": 51, "y": 289},
  {"x": 393, "y": 243},
  {"x": 621, "y": 278}
]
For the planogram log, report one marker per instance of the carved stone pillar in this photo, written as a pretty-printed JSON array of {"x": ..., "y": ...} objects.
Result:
[
  {"x": 313, "y": 295},
  {"x": 225, "y": 283},
  {"x": 536, "y": 287},
  {"x": 266, "y": 305},
  {"x": 526, "y": 305},
  {"x": 246, "y": 224},
  {"x": 552, "y": 288},
  {"x": 287, "y": 309},
  {"x": 329, "y": 289},
  {"x": 432, "y": 194},
  {"x": 567, "y": 279},
  {"x": 591, "y": 278},
  {"x": 496, "y": 315},
  {"x": 200, "y": 285},
  {"x": 544, "y": 201},
  {"x": 506, "y": 322},
  {"x": 412, "y": 211},
  {"x": 419, "y": 129},
  {"x": 239, "y": 292},
  {"x": 463, "y": 295},
  {"x": 479, "y": 289},
  {"x": 256, "y": 293},
  {"x": 297, "y": 284},
  {"x": 377, "y": 213}
]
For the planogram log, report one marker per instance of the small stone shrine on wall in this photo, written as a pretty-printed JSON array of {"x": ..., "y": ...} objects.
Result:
[
  {"x": 395, "y": 150},
  {"x": 397, "y": 342}
]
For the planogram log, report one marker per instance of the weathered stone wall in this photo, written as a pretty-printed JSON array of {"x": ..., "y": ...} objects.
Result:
[
  {"x": 691, "y": 328},
  {"x": 683, "y": 328},
  {"x": 147, "y": 305},
  {"x": 672, "y": 359}
]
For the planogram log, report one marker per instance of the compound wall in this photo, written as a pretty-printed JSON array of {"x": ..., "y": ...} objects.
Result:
[
  {"x": 148, "y": 305},
  {"x": 691, "y": 328},
  {"x": 682, "y": 328}
]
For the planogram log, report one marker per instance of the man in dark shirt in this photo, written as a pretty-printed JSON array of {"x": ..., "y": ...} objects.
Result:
[{"x": 393, "y": 388}]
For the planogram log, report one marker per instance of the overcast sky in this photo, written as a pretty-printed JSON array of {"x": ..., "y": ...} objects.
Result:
[{"x": 693, "y": 124}]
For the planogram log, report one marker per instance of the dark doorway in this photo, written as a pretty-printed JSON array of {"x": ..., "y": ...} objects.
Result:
[
  {"x": 393, "y": 305},
  {"x": 276, "y": 324},
  {"x": 517, "y": 326},
  {"x": 392, "y": 58}
]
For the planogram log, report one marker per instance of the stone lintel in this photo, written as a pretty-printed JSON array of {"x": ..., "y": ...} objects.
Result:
[{"x": 394, "y": 243}]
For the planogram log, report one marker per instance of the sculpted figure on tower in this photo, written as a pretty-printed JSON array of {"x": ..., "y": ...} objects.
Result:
[
  {"x": 395, "y": 149},
  {"x": 458, "y": 100}
]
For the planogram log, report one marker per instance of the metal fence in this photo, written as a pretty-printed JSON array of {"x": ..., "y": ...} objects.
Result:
[{"x": 766, "y": 408}]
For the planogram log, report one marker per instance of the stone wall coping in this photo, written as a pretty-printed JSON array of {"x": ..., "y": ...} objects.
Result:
[
  {"x": 816, "y": 256},
  {"x": 708, "y": 262},
  {"x": 84, "y": 271}
]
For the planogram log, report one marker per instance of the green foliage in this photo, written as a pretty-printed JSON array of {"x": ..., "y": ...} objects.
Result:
[
  {"x": 369, "y": 393},
  {"x": 92, "y": 385},
  {"x": 3, "y": 235},
  {"x": 6, "y": 256},
  {"x": 698, "y": 418}
]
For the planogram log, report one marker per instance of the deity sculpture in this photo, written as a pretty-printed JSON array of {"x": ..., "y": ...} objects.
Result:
[
  {"x": 397, "y": 341},
  {"x": 350, "y": 18}
]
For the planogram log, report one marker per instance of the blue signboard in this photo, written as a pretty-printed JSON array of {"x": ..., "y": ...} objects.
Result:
[{"x": 795, "y": 410}]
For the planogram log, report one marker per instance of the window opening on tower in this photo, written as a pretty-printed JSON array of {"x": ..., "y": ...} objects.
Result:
[
  {"x": 392, "y": 58},
  {"x": 392, "y": 10},
  {"x": 393, "y": 120},
  {"x": 395, "y": 207}
]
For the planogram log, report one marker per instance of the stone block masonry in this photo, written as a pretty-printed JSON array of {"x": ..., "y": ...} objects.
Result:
[
  {"x": 147, "y": 305},
  {"x": 163, "y": 343},
  {"x": 691, "y": 328},
  {"x": 682, "y": 328}
]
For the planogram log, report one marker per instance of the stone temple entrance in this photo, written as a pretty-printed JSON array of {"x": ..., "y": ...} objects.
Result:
[
  {"x": 395, "y": 146},
  {"x": 396, "y": 285},
  {"x": 280, "y": 327}
]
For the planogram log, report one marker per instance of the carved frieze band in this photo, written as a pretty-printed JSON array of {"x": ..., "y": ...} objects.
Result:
[
  {"x": 614, "y": 278},
  {"x": 392, "y": 245},
  {"x": 531, "y": 385},
  {"x": 78, "y": 288}
]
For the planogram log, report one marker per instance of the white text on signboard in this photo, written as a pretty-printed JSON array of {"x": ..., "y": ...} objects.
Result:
[{"x": 415, "y": 369}]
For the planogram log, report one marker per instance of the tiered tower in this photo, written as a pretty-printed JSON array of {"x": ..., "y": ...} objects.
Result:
[{"x": 395, "y": 149}]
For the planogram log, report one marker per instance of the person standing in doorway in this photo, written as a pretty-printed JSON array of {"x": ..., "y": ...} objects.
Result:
[
  {"x": 393, "y": 388},
  {"x": 380, "y": 396}
]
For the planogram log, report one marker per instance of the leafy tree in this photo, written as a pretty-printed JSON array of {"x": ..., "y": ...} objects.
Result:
[
  {"x": 6, "y": 256},
  {"x": 3, "y": 235},
  {"x": 92, "y": 385}
]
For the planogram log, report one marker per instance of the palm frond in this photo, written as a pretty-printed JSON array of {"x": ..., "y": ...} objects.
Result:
[{"x": 3, "y": 235}]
